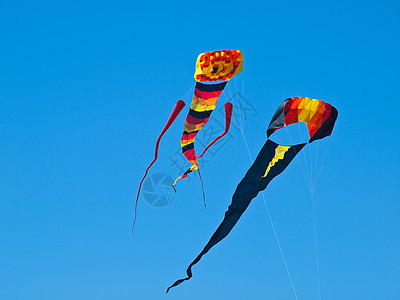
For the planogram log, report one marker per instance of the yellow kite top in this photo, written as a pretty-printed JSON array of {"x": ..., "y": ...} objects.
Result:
[{"x": 218, "y": 65}]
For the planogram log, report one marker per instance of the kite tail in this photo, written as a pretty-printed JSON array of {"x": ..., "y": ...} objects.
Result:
[
  {"x": 188, "y": 272},
  {"x": 189, "y": 269},
  {"x": 181, "y": 177},
  {"x": 202, "y": 188},
  {"x": 190, "y": 170},
  {"x": 177, "y": 109},
  {"x": 201, "y": 180},
  {"x": 228, "y": 117}
]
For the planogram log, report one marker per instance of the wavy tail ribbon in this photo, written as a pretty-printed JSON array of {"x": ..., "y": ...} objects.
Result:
[
  {"x": 177, "y": 109},
  {"x": 228, "y": 118}
]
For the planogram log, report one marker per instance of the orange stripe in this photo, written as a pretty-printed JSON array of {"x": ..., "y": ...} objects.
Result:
[
  {"x": 208, "y": 102},
  {"x": 190, "y": 127}
]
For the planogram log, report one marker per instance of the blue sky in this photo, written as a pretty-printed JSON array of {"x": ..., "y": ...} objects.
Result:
[{"x": 87, "y": 87}]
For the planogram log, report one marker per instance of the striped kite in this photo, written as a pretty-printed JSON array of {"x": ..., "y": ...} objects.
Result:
[{"x": 210, "y": 66}]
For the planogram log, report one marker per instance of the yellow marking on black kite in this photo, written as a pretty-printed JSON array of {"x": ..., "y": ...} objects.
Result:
[{"x": 279, "y": 154}]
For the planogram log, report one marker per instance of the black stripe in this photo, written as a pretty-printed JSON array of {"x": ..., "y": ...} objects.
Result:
[
  {"x": 188, "y": 171},
  {"x": 188, "y": 147},
  {"x": 278, "y": 119},
  {"x": 187, "y": 133},
  {"x": 200, "y": 114},
  {"x": 211, "y": 87}
]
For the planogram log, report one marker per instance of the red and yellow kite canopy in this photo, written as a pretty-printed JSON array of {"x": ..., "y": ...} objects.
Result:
[{"x": 218, "y": 65}]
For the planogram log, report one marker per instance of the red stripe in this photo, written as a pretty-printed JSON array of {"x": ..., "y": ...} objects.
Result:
[
  {"x": 188, "y": 136},
  {"x": 192, "y": 120},
  {"x": 312, "y": 131},
  {"x": 327, "y": 113},
  {"x": 228, "y": 117},
  {"x": 207, "y": 95},
  {"x": 291, "y": 115},
  {"x": 190, "y": 155}
]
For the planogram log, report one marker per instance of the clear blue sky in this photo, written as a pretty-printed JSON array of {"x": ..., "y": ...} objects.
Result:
[{"x": 85, "y": 89}]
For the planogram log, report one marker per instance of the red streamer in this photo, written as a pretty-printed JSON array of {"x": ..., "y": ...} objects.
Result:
[
  {"x": 177, "y": 109},
  {"x": 228, "y": 117}
]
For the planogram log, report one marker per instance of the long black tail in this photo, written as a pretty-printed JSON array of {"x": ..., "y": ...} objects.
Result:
[{"x": 179, "y": 281}]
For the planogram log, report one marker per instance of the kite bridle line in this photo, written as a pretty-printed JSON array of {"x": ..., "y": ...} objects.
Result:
[{"x": 312, "y": 184}]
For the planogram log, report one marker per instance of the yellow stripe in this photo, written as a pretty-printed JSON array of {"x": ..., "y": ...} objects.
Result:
[
  {"x": 191, "y": 127},
  {"x": 279, "y": 154},
  {"x": 229, "y": 68},
  {"x": 198, "y": 107},
  {"x": 201, "y": 101},
  {"x": 183, "y": 144},
  {"x": 314, "y": 108},
  {"x": 301, "y": 105},
  {"x": 305, "y": 107},
  {"x": 180, "y": 177},
  {"x": 188, "y": 130}
]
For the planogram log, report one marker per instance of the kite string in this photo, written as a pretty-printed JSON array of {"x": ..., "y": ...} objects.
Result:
[
  {"x": 312, "y": 184},
  {"x": 272, "y": 224},
  {"x": 301, "y": 167},
  {"x": 202, "y": 188},
  {"x": 323, "y": 160},
  {"x": 240, "y": 117},
  {"x": 305, "y": 159},
  {"x": 313, "y": 207},
  {"x": 316, "y": 164},
  {"x": 316, "y": 247},
  {"x": 187, "y": 93},
  {"x": 280, "y": 248},
  {"x": 233, "y": 98},
  {"x": 311, "y": 171}
]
